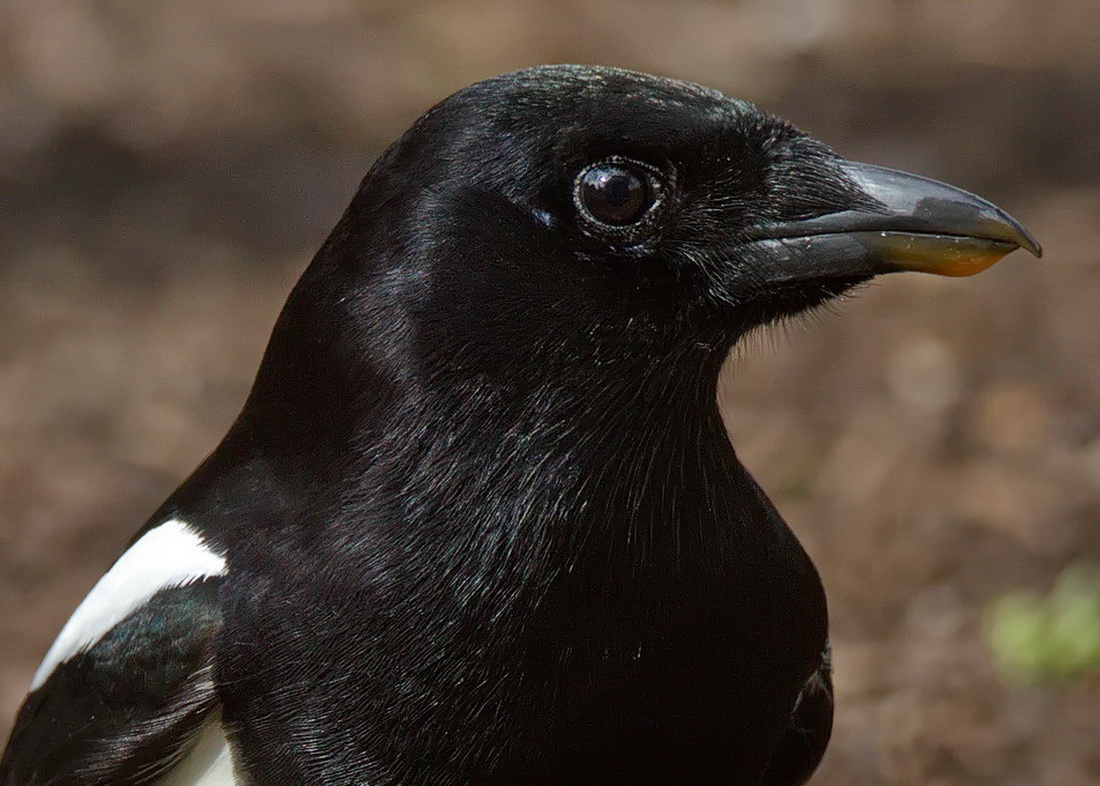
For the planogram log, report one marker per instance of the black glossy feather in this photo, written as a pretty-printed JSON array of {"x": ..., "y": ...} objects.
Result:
[
  {"x": 125, "y": 711},
  {"x": 803, "y": 744}
]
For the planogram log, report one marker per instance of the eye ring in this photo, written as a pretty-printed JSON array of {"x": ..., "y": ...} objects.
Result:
[{"x": 620, "y": 199}]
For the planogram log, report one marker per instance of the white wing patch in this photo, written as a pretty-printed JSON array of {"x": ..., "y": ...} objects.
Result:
[
  {"x": 169, "y": 555},
  {"x": 210, "y": 763}
]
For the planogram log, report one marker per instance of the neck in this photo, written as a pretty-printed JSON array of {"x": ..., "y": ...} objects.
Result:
[{"x": 629, "y": 487}]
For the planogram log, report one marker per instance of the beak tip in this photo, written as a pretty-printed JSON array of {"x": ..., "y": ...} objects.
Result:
[{"x": 1025, "y": 240}]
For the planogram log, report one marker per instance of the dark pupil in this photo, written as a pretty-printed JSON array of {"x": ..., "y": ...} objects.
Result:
[{"x": 614, "y": 195}]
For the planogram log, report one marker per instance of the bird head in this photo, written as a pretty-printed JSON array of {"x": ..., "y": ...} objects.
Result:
[{"x": 575, "y": 214}]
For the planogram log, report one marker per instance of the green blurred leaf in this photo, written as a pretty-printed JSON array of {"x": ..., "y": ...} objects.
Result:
[{"x": 1048, "y": 640}]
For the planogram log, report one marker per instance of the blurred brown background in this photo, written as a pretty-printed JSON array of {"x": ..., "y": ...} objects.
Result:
[{"x": 167, "y": 169}]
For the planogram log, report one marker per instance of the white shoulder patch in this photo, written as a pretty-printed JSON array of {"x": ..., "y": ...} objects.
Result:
[
  {"x": 210, "y": 762},
  {"x": 169, "y": 555}
]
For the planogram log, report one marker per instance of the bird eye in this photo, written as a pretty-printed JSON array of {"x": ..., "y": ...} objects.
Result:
[
  {"x": 617, "y": 195},
  {"x": 614, "y": 195}
]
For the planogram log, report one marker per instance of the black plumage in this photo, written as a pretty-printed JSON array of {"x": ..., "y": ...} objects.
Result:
[{"x": 480, "y": 519}]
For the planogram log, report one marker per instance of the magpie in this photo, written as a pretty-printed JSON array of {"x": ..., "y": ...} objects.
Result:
[{"x": 478, "y": 522}]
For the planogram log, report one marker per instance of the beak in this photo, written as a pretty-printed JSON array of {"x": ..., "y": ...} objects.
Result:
[{"x": 906, "y": 222}]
